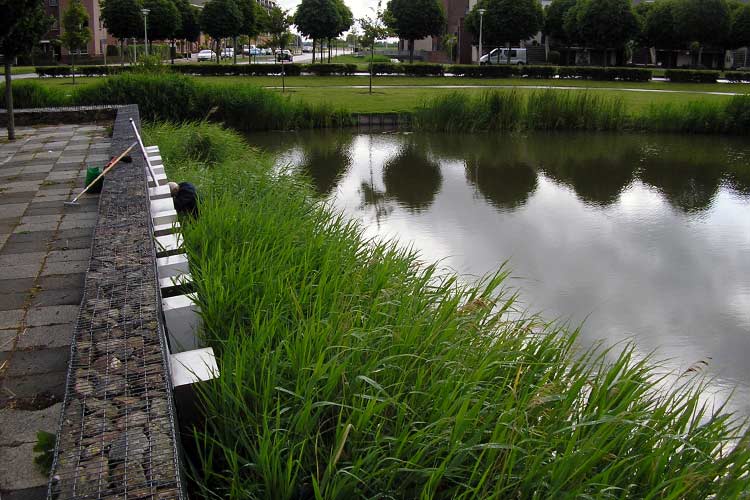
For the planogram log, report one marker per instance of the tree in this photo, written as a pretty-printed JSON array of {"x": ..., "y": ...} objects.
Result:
[
  {"x": 123, "y": 20},
  {"x": 219, "y": 19},
  {"x": 13, "y": 11},
  {"x": 506, "y": 21},
  {"x": 373, "y": 29},
  {"x": 317, "y": 19},
  {"x": 415, "y": 19},
  {"x": 190, "y": 27},
  {"x": 278, "y": 27},
  {"x": 249, "y": 26},
  {"x": 659, "y": 28},
  {"x": 450, "y": 42},
  {"x": 345, "y": 21},
  {"x": 163, "y": 19},
  {"x": 31, "y": 24},
  {"x": 554, "y": 21},
  {"x": 701, "y": 22},
  {"x": 602, "y": 24},
  {"x": 740, "y": 30},
  {"x": 76, "y": 33}
]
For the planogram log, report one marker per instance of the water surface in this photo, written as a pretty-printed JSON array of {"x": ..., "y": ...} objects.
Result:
[{"x": 639, "y": 237}]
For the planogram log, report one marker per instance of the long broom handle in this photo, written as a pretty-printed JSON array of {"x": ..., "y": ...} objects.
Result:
[
  {"x": 109, "y": 167},
  {"x": 143, "y": 151}
]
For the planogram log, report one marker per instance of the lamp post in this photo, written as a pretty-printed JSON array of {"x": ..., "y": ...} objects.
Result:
[
  {"x": 145, "y": 27},
  {"x": 481, "y": 27}
]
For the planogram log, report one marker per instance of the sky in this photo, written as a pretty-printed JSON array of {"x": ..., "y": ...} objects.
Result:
[{"x": 360, "y": 8}]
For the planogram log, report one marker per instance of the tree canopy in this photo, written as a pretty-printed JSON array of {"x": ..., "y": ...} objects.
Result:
[
  {"x": 740, "y": 30},
  {"x": 13, "y": 11},
  {"x": 702, "y": 21},
  {"x": 190, "y": 28},
  {"x": 659, "y": 28},
  {"x": 602, "y": 23},
  {"x": 220, "y": 19},
  {"x": 250, "y": 16},
  {"x": 554, "y": 20},
  {"x": 122, "y": 18},
  {"x": 317, "y": 19},
  {"x": 278, "y": 26},
  {"x": 415, "y": 19},
  {"x": 163, "y": 19},
  {"x": 75, "y": 23},
  {"x": 506, "y": 21}
]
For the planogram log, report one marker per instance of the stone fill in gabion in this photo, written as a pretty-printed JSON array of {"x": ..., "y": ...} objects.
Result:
[{"x": 117, "y": 432}]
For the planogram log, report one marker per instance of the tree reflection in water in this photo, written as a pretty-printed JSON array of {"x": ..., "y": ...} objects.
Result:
[
  {"x": 326, "y": 160},
  {"x": 412, "y": 178}
]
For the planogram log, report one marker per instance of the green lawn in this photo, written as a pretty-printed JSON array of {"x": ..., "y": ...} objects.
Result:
[
  {"x": 17, "y": 70},
  {"x": 398, "y": 98}
]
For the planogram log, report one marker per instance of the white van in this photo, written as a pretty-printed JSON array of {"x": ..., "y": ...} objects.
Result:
[{"x": 500, "y": 56}]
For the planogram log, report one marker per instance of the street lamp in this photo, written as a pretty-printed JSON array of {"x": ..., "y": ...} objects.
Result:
[
  {"x": 481, "y": 26},
  {"x": 145, "y": 27}
]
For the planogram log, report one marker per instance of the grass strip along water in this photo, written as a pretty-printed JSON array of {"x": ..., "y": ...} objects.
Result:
[{"x": 351, "y": 369}]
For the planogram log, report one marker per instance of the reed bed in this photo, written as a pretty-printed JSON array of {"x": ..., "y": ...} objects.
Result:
[
  {"x": 558, "y": 110},
  {"x": 350, "y": 369}
]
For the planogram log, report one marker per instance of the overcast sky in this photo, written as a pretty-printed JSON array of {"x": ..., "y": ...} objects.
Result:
[{"x": 360, "y": 8}]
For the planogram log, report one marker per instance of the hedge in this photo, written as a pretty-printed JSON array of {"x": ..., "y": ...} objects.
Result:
[
  {"x": 487, "y": 71},
  {"x": 237, "y": 70},
  {"x": 737, "y": 76},
  {"x": 605, "y": 74},
  {"x": 423, "y": 69},
  {"x": 692, "y": 76},
  {"x": 322, "y": 69}
]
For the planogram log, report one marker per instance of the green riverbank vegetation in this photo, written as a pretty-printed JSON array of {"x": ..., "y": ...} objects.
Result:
[
  {"x": 243, "y": 106},
  {"x": 352, "y": 369}
]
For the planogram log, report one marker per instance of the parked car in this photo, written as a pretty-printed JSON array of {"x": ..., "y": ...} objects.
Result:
[
  {"x": 500, "y": 56},
  {"x": 284, "y": 55},
  {"x": 307, "y": 49},
  {"x": 227, "y": 53},
  {"x": 267, "y": 52},
  {"x": 206, "y": 55}
]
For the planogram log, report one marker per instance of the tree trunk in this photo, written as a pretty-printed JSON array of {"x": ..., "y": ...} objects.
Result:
[
  {"x": 329, "y": 50},
  {"x": 234, "y": 49},
  {"x": 411, "y": 51},
  {"x": 172, "y": 50},
  {"x": 122, "y": 52},
  {"x": 218, "y": 52},
  {"x": 313, "y": 51},
  {"x": 9, "y": 99},
  {"x": 73, "y": 66},
  {"x": 372, "y": 61}
]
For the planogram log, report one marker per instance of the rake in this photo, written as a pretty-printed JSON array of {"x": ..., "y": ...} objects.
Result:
[{"x": 107, "y": 168}]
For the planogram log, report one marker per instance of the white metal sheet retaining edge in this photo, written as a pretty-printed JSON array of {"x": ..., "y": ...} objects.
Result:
[
  {"x": 159, "y": 192},
  {"x": 189, "y": 367},
  {"x": 166, "y": 217},
  {"x": 161, "y": 205},
  {"x": 182, "y": 316},
  {"x": 173, "y": 265},
  {"x": 165, "y": 229},
  {"x": 152, "y": 149},
  {"x": 175, "y": 281},
  {"x": 168, "y": 244},
  {"x": 161, "y": 180}
]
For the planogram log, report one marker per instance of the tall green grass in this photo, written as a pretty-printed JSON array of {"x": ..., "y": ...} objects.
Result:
[
  {"x": 551, "y": 109},
  {"x": 349, "y": 369},
  {"x": 162, "y": 95}
]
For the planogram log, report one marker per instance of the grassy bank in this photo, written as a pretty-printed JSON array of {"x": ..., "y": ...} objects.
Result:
[
  {"x": 512, "y": 110},
  {"x": 244, "y": 106},
  {"x": 351, "y": 369}
]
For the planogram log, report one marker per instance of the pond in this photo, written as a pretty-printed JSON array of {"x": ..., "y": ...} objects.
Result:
[{"x": 642, "y": 238}]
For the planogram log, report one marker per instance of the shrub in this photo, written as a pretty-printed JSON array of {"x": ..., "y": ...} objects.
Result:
[
  {"x": 322, "y": 69},
  {"x": 737, "y": 76},
  {"x": 237, "y": 70},
  {"x": 423, "y": 69},
  {"x": 379, "y": 68},
  {"x": 540, "y": 72},
  {"x": 31, "y": 94},
  {"x": 52, "y": 71},
  {"x": 605, "y": 74},
  {"x": 692, "y": 76},
  {"x": 486, "y": 71}
]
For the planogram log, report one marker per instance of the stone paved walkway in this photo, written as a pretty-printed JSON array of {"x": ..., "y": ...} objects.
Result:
[{"x": 44, "y": 255}]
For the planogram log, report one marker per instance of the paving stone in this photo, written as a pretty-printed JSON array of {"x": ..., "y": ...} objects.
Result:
[
  {"x": 77, "y": 147},
  {"x": 13, "y": 209},
  {"x": 6, "y": 172},
  {"x": 10, "y": 319},
  {"x": 67, "y": 255},
  {"x": 32, "y": 385},
  {"x": 65, "y": 176},
  {"x": 59, "y": 198},
  {"x": 72, "y": 267},
  {"x": 78, "y": 223},
  {"x": 11, "y": 301},
  {"x": 45, "y": 336},
  {"x": 24, "y": 271},
  {"x": 72, "y": 243},
  {"x": 21, "y": 186},
  {"x": 40, "y": 219},
  {"x": 8, "y": 225},
  {"x": 64, "y": 281},
  {"x": 15, "y": 285},
  {"x": 81, "y": 232},
  {"x": 61, "y": 297},
  {"x": 35, "y": 209},
  {"x": 37, "y": 226},
  {"x": 19, "y": 470},
  {"x": 7, "y": 339},
  {"x": 44, "y": 194},
  {"x": 20, "y": 426},
  {"x": 37, "y": 362},
  {"x": 51, "y": 315},
  {"x": 21, "y": 259},
  {"x": 18, "y": 243},
  {"x": 31, "y": 176},
  {"x": 38, "y": 168},
  {"x": 3, "y": 239}
]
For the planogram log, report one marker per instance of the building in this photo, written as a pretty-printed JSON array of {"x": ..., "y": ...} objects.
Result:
[{"x": 99, "y": 39}]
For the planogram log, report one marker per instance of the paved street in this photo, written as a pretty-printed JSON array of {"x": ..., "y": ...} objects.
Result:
[{"x": 44, "y": 255}]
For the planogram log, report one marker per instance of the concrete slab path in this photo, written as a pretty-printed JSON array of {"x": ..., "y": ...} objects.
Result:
[{"x": 44, "y": 255}]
